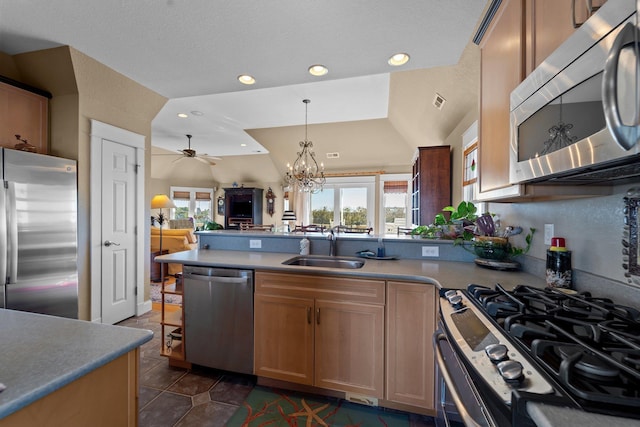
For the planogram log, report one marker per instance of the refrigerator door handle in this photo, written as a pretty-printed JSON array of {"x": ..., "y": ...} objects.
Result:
[
  {"x": 3, "y": 247},
  {"x": 12, "y": 234}
]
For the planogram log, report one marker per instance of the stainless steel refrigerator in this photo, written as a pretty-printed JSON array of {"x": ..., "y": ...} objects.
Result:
[{"x": 38, "y": 233}]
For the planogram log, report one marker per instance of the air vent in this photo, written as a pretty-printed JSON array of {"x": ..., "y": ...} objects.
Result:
[
  {"x": 333, "y": 155},
  {"x": 438, "y": 101}
]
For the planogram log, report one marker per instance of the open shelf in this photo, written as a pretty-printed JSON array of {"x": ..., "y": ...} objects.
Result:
[{"x": 172, "y": 325}]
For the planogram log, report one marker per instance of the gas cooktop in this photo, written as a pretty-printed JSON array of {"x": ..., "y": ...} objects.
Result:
[{"x": 589, "y": 346}]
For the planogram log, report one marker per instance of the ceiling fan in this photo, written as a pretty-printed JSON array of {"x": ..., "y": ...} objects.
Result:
[{"x": 190, "y": 153}]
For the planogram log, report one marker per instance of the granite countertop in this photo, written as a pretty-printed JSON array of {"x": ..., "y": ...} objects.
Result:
[
  {"x": 41, "y": 354},
  {"x": 444, "y": 274}
]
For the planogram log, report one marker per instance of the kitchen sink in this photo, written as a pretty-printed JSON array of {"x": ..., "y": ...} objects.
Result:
[{"x": 325, "y": 261}]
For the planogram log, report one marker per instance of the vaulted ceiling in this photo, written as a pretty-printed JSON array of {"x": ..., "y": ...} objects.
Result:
[{"x": 191, "y": 51}]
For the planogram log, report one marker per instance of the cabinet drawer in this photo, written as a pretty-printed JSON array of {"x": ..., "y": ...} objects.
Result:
[{"x": 324, "y": 287}]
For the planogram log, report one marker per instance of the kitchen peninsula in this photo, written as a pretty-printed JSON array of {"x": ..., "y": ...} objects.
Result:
[
  {"x": 59, "y": 371},
  {"x": 311, "y": 322}
]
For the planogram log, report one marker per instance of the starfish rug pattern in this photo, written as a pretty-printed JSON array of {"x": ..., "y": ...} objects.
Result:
[{"x": 277, "y": 408}]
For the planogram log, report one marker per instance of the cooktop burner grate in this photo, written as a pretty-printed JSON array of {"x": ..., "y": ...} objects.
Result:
[{"x": 591, "y": 346}]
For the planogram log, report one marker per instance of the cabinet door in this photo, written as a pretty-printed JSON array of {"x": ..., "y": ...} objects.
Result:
[
  {"x": 350, "y": 347},
  {"x": 501, "y": 70},
  {"x": 26, "y": 114},
  {"x": 411, "y": 318},
  {"x": 550, "y": 23},
  {"x": 284, "y": 338}
]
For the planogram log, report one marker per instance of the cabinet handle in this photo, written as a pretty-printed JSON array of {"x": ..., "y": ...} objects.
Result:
[
  {"x": 309, "y": 315},
  {"x": 318, "y": 316}
]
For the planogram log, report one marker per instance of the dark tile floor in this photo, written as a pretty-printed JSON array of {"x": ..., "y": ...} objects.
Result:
[{"x": 202, "y": 397}]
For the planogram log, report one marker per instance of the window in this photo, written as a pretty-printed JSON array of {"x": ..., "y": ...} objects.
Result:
[
  {"x": 343, "y": 201},
  {"x": 395, "y": 202},
  {"x": 193, "y": 202}
]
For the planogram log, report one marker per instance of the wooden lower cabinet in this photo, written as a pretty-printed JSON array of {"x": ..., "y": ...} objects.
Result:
[
  {"x": 107, "y": 396},
  {"x": 349, "y": 347},
  {"x": 410, "y": 365},
  {"x": 326, "y": 332},
  {"x": 283, "y": 338}
]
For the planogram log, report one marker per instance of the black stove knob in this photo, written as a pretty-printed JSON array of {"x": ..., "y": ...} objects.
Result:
[
  {"x": 497, "y": 352},
  {"x": 511, "y": 371}
]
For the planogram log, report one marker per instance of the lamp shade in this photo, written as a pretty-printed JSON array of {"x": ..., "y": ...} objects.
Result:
[
  {"x": 289, "y": 216},
  {"x": 161, "y": 201}
]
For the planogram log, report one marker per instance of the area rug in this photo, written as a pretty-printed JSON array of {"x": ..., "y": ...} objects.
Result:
[
  {"x": 170, "y": 284},
  {"x": 276, "y": 408}
]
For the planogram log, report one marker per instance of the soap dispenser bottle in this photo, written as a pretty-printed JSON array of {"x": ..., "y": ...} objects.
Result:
[
  {"x": 381, "y": 252},
  {"x": 305, "y": 246}
]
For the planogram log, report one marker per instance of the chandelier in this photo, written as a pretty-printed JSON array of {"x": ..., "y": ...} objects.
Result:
[{"x": 305, "y": 172}]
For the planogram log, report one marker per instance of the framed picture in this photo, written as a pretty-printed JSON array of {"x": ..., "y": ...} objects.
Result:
[{"x": 470, "y": 165}]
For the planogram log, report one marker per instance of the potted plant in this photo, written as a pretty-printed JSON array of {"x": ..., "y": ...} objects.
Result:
[
  {"x": 491, "y": 242},
  {"x": 452, "y": 227}
]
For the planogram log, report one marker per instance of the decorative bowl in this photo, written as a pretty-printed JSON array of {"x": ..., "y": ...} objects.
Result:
[{"x": 488, "y": 247}]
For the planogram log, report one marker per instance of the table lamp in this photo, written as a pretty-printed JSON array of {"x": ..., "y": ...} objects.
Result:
[
  {"x": 161, "y": 201},
  {"x": 288, "y": 216}
]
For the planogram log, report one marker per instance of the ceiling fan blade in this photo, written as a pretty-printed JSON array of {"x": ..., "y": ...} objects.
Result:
[
  {"x": 210, "y": 157},
  {"x": 203, "y": 160}
]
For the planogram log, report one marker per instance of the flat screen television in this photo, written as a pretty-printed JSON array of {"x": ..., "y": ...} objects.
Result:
[{"x": 241, "y": 208}]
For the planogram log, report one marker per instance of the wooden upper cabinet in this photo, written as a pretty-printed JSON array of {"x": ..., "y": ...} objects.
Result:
[
  {"x": 550, "y": 23},
  {"x": 501, "y": 70},
  {"x": 23, "y": 113},
  {"x": 431, "y": 183}
]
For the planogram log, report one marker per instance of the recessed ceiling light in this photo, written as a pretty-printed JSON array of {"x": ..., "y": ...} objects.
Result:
[
  {"x": 182, "y": 115},
  {"x": 318, "y": 70},
  {"x": 246, "y": 79},
  {"x": 398, "y": 59},
  {"x": 197, "y": 113},
  {"x": 243, "y": 145}
]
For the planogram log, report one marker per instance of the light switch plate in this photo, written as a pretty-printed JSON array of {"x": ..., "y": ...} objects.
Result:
[
  {"x": 255, "y": 244},
  {"x": 431, "y": 251},
  {"x": 548, "y": 233}
]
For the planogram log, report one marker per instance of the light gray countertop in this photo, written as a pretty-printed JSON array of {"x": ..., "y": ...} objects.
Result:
[
  {"x": 40, "y": 354},
  {"x": 555, "y": 416},
  {"x": 445, "y": 274}
]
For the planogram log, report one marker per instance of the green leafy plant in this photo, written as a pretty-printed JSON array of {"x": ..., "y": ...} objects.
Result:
[
  {"x": 515, "y": 251},
  {"x": 466, "y": 211}
]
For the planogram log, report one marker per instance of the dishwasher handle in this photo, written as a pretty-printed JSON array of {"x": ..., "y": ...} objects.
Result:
[{"x": 220, "y": 279}]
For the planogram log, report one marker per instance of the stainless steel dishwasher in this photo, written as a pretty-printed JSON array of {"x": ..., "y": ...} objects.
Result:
[{"x": 218, "y": 316}]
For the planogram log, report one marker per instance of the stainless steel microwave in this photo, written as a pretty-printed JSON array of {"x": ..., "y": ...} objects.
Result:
[{"x": 575, "y": 118}]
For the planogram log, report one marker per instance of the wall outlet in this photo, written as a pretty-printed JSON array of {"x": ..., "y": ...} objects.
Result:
[
  {"x": 431, "y": 251},
  {"x": 548, "y": 233},
  {"x": 255, "y": 244}
]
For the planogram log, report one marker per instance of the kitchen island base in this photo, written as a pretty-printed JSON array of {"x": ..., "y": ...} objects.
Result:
[{"x": 105, "y": 396}]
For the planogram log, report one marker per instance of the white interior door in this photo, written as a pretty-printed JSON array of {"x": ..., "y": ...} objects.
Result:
[
  {"x": 117, "y": 215},
  {"x": 118, "y": 232}
]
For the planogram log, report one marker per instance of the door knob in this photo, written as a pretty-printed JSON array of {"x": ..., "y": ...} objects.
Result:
[{"x": 108, "y": 243}]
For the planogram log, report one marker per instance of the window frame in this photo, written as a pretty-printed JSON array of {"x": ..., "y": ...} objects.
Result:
[
  {"x": 381, "y": 207},
  {"x": 338, "y": 183},
  {"x": 192, "y": 200}
]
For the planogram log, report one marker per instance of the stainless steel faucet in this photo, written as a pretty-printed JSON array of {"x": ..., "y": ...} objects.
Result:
[{"x": 331, "y": 237}]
